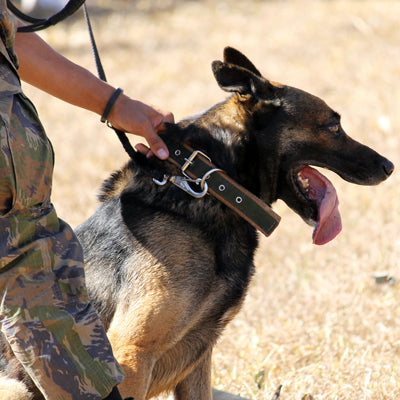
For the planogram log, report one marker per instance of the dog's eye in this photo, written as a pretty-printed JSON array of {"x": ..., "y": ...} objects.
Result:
[{"x": 334, "y": 128}]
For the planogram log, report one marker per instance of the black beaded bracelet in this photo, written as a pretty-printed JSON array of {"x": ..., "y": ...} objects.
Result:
[{"x": 110, "y": 104}]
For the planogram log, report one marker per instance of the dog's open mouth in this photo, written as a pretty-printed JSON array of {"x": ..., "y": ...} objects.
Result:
[{"x": 320, "y": 191}]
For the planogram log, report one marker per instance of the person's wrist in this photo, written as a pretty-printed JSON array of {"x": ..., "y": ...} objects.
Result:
[{"x": 110, "y": 104}]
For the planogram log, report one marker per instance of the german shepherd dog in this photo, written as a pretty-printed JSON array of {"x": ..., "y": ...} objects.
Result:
[{"x": 166, "y": 271}]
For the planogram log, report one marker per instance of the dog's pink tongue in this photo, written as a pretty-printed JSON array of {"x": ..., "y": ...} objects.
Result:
[{"x": 323, "y": 193}]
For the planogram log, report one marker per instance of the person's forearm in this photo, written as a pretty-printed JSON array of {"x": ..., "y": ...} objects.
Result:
[
  {"x": 43, "y": 67},
  {"x": 47, "y": 70}
]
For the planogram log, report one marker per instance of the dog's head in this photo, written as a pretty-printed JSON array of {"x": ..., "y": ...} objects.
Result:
[{"x": 292, "y": 130}]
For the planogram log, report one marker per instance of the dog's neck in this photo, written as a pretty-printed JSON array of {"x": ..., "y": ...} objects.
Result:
[{"x": 228, "y": 135}]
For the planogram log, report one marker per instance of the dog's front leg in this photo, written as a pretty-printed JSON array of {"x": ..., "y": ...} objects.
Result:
[
  {"x": 137, "y": 365},
  {"x": 136, "y": 359},
  {"x": 197, "y": 385}
]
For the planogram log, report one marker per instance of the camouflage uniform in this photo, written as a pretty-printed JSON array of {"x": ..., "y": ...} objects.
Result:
[{"x": 45, "y": 313}]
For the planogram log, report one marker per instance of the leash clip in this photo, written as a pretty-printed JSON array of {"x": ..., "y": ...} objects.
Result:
[{"x": 183, "y": 183}]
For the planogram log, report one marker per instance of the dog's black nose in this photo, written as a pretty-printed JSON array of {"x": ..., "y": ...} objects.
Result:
[{"x": 388, "y": 167}]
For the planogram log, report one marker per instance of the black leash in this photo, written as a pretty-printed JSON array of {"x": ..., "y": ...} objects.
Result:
[
  {"x": 100, "y": 71},
  {"x": 37, "y": 24}
]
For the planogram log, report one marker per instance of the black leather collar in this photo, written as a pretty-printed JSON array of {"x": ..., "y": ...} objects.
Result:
[{"x": 197, "y": 168}]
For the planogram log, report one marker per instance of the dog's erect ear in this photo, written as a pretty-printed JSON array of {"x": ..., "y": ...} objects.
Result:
[
  {"x": 233, "y": 56},
  {"x": 233, "y": 78}
]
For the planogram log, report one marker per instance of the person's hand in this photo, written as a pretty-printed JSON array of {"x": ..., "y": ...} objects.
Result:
[{"x": 133, "y": 116}]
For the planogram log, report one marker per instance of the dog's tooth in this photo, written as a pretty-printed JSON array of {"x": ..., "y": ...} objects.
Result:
[{"x": 303, "y": 181}]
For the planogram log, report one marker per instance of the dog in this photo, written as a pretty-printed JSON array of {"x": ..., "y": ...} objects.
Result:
[{"x": 167, "y": 271}]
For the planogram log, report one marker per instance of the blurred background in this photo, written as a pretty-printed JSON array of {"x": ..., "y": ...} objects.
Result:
[{"x": 315, "y": 320}]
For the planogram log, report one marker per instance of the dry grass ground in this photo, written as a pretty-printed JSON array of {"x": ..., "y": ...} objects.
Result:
[{"x": 314, "y": 320}]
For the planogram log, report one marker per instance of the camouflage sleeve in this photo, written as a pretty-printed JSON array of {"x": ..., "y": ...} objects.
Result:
[{"x": 8, "y": 27}]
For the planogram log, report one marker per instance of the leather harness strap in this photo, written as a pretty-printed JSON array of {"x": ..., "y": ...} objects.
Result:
[{"x": 197, "y": 166}]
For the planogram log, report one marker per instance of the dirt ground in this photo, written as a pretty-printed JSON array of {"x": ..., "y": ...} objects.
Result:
[{"x": 315, "y": 319}]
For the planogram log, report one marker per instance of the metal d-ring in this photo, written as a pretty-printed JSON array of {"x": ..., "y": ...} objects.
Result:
[{"x": 206, "y": 175}]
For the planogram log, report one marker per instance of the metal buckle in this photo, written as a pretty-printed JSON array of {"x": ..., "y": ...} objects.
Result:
[
  {"x": 207, "y": 175},
  {"x": 190, "y": 160}
]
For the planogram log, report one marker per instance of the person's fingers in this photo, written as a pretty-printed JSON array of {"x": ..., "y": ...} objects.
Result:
[
  {"x": 159, "y": 126},
  {"x": 142, "y": 148},
  {"x": 133, "y": 116},
  {"x": 149, "y": 154},
  {"x": 157, "y": 146},
  {"x": 169, "y": 117},
  {"x": 160, "y": 149}
]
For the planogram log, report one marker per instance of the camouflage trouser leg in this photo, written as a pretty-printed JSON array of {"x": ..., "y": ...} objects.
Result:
[{"x": 45, "y": 313}]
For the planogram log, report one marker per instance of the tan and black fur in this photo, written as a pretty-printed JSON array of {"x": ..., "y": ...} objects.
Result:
[{"x": 167, "y": 272}]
